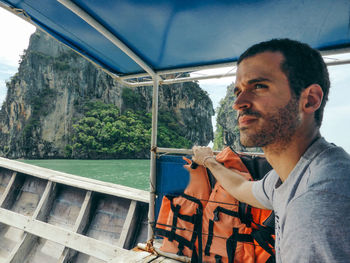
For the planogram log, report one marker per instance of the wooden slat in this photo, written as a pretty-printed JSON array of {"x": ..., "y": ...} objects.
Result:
[
  {"x": 22, "y": 249},
  {"x": 76, "y": 181},
  {"x": 80, "y": 224},
  {"x": 127, "y": 224},
  {"x": 45, "y": 202},
  {"x": 67, "y": 254},
  {"x": 9, "y": 189},
  {"x": 82, "y": 218},
  {"x": 28, "y": 241},
  {"x": 164, "y": 260},
  {"x": 134, "y": 257},
  {"x": 81, "y": 243}
]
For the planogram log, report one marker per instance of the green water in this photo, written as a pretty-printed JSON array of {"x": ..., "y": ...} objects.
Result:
[{"x": 133, "y": 173}]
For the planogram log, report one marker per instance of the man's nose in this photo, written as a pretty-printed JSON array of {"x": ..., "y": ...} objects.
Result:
[{"x": 242, "y": 102}]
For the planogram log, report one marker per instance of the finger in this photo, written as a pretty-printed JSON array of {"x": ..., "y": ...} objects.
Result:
[
  {"x": 187, "y": 160},
  {"x": 194, "y": 149},
  {"x": 187, "y": 167}
]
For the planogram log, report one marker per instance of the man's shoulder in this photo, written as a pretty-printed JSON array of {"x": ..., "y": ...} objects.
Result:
[
  {"x": 330, "y": 171},
  {"x": 331, "y": 158}
]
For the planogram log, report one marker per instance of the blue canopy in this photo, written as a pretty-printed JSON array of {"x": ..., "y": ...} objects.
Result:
[{"x": 173, "y": 34}]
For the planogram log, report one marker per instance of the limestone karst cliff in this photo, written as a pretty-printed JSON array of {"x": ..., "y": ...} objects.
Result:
[{"x": 45, "y": 97}]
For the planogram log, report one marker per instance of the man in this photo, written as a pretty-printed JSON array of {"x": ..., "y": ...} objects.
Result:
[{"x": 281, "y": 90}]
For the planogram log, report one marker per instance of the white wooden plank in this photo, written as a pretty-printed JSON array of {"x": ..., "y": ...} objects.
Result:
[
  {"x": 8, "y": 189},
  {"x": 65, "y": 256},
  {"x": 81, "y": 243},
  {"x": 42, "y": 208},
  {"x": 22, "y": 249},
  {"x": 134, "y": 257},
  {"x": 173, "y": 256},
  {"x": 127, "y": 224},
  {"x": 80, "y": 223},
  {"x": 165, "y": 260},
  {"x": 76, "y": 181}
]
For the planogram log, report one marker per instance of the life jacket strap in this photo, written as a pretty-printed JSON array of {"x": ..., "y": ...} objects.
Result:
[
  {"x": 218, "y": 259},
  {"x": 231, "y": 243},
  {"x": 181, "y": 248},
  {"x": 216, "y": 212},
  {"x": 220, "y": 209},
  {"x": 198, "y": 230},
  {"x": 210, "y": 237},
  {"x": 178, "y": 238},
  {"x": 245, "y": 215},
  {"x": 176, "y": 210},
  {"x": 263, "y": 236},
  {"x": 270, "y": 221}
]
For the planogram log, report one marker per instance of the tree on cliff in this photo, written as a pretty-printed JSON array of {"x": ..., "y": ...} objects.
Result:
[{"x": 105, "y": 133}]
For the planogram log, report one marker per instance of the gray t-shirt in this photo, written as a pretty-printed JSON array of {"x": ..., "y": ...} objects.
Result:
[{"x": 312, "y": 206}]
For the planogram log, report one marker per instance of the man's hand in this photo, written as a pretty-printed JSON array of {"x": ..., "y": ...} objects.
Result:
[
  {"x": 233, "y": 182},
  {"x": 201, "y": 154}
]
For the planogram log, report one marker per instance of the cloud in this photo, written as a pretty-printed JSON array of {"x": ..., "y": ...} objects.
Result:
[
  {"x": 15, "y": 34},
  {"x": 6, "y": 71},
  {"x": 216, "y": 88},
  {"x": 14, "y": 37}
]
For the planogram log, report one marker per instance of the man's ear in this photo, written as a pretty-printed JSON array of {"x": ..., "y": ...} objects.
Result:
[{"x": 311, "y": 98}]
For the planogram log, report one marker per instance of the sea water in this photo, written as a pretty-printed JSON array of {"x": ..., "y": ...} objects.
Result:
[{"x": 133, "y": 173}]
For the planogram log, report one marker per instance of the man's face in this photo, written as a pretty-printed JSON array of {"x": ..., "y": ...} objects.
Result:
[{"x": 267, "y": 111}]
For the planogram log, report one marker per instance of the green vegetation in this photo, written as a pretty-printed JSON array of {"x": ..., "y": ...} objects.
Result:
[
  {"x": 105, "y": 133},
  {"x": 218, "y": 138},
  {"x": 133, "y": 100}
]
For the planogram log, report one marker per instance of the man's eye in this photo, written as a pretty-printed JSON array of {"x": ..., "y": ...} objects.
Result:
[
  {"x": 236, "y": 92},
  {"x": 260, "y": 86}
]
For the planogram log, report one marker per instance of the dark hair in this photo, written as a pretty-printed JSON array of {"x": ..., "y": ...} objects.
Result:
[{"x": 302, "y": 65}]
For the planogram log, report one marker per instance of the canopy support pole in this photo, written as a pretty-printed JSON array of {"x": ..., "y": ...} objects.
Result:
[{"x": 151, "y": 211}]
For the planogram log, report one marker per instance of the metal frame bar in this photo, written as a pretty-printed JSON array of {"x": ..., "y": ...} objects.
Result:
[
  {"x": 338, "y": 62},
  {"x": 230, "y": 64},
  {"x": 337, "y": 51},
  {"x": 153, "y": 181},
  {"x": 109, "y": 35},
  {"x": 181, "y": 70},
  {"x": 161, "y": 150},
  {"x": 185, "y": 79},
  {"x": 214, "y": 76}
]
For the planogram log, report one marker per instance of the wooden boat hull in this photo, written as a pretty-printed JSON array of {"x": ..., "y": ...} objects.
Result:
[{"x": 48, "y": 216}]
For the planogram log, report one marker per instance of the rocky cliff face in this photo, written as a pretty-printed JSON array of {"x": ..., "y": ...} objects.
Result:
[
  {"x": 53, "y": 83},
  {"x": 227, "y": 133}
]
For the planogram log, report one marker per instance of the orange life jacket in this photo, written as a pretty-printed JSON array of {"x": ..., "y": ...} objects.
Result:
[
  {"x": 209, "y": 225},
  {"x": 180, "y": 217}
]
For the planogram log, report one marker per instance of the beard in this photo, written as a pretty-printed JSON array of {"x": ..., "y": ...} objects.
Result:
[{"x": 278, "y": 126}]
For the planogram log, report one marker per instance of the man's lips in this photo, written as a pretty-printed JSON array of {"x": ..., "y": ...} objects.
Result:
[{"x": 246, "y": 120}]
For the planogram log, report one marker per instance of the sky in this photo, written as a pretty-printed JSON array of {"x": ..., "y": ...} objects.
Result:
[
  {"x": 335, "y": 127},
  {"x": 14, "y": 35}
]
